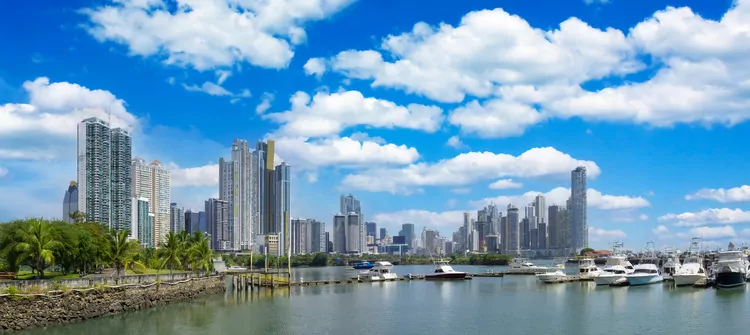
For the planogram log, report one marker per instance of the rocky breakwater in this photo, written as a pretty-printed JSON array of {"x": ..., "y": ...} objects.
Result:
[{"x": 18, "y": 312}]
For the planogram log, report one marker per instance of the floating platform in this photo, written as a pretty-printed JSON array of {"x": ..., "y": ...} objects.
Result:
[{"x": 489, "y": 274}]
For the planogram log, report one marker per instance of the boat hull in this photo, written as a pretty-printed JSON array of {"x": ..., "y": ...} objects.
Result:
[
  {"x": 446, "y": 276},
  {"x": 550, "y": 277},
  {"x": 730, "y": 279},
  {"x": 363, "y": 267},
  {"x": 607, "y": 280},
  {"x": 644, "y": 280},
  {"x": 688, "y": 279}
]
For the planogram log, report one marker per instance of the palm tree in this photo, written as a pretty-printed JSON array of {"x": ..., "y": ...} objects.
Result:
[
  {"x": 184, "y": 240},
  {"x": 120, "y": 252},
  {"x": 201, "y": 254},
  {"x": 38, "y": 243},
  {"x": 169, "y": 252}
]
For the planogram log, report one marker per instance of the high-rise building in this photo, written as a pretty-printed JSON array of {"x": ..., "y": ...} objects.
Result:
[
  {"x": 217, "y": 220},
  {"x": 348, "y": 204},
  {"x": 176, "y": 218},
  {"x": 492, "y": 244},
  {"x": 329, "y": 243},
  {"x": 578, "y": 208},
  {"x": 468, "y": 229},
  {"x": 339, "y": 233},
  {"x": 553, "y": 227},
  {"x": 94, "y": 170},
  {"x": 525, "y": 237},
  {"x": 353, "y": 230},
  {"x": 70, "y": 202},
  {"x": 144, "y": 222},
  {"x": 121, "y": 180},
  {"x": 282, "y": 205},
  {"x": 504, "y": 233},
  {"x": 317, "y": 238},
  {"x": 231, "y": 192},
  {"x": 195, "y": 221},
  {"x": 431, "y": 242},
  {"x": 543, "y": 238},
  {"x": 383, "y": 232},
  {"x": 242, "y": 212},
  {"x": 263, "y": 161},
  {"x": 514, "y": 242},
  {"x": 540, "y": 209},
  {"x": 372, "y": 229},
  {"x": 161, "y": 180},
  {"x": 300, "y": 236},
  {"x": 407, "y": 230}
]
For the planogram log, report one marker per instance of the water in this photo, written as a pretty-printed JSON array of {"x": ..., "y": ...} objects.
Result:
[{"x": 511, "y": 305}]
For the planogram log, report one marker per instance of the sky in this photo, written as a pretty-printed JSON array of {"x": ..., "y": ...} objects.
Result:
[{"x": 422, "y": 111}]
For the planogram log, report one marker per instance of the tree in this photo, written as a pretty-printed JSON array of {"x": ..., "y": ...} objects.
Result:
[
  {"x": 169, "y": 252},
  {"x": 78, "y": 217},
  {"x": 585, "y": 250},
  {"x": 120, "y": 252},
  {"x": 9, "y": 254},
  {"x": 201, "y": 254},
  {"x": 37, "y": 243}
]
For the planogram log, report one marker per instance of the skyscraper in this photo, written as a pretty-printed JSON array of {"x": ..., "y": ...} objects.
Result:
[
  {"x": 94, "y": 170},
  {"x": 231, "y": 192},
  {"x": 348, "y": 204},
  {"x": 553, "y": 227},
  {"x": 263, "y": 161},
  {"x": 407, "y": 231},
  {"x": 353, "y": 230},
  {"x": 468, "y": 229},
  {"x": 514, "y": 242},
  {"x": 161, "y": 180},
  {"x": 339, "y": 233},
  {"x": 217, "y": 220},
  {"x": 121, "y": 180},
  {"x": 243, "y": 217},
  {"x": 540, "y": 209},
  {"x": 176, "y": 218},
  {"x": 579, "y": 225},
  {"x": 70, "y": 202},
  {"x": 195, "y": 221},
  {"x": 144, "y": 222},
  {"x": 282, "y": 205},
  {"x": 372, "y": 229},
  {"x": 300, "y": 236},
  {"x": 317, "y": 240},
  {"x": 383, "y": 232}
]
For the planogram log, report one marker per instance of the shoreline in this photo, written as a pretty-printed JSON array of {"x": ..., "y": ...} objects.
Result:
[{"x": 26, "y": 311}]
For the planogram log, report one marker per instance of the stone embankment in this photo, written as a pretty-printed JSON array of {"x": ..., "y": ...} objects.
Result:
[{"x": 23, "y": 311}]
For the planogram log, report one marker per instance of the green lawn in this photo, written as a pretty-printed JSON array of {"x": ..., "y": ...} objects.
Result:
[{"x": 27, "y": 275}]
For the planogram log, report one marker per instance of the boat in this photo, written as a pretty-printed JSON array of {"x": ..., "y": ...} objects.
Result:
[
  {"x": 444, "y": 271},
  {"x": 692, "y": 269},
  {"x": 587, "y": 269},
  {"x": 671, "y": 265},
  {"x": 380, "y": 271},
  {"x": 616, "y": 268},
  {"x": 552, "y": 274},
  {"x": 731, "y": 269},
  {"x": 646, "y": 272},
  {"x": 522, "y": 265},
  {"x": 364, "y": 265}
]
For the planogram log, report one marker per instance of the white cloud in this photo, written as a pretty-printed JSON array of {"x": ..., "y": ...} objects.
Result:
[
  {"x": 265, "y": 103},
  {"x": 222, "y": 76},
  {"x": 311, "y": 177},
  {"x": 467, "y": 168},
  {"x": 455, "y": 142},
  {"x": 643, "y": 217},
  {"x": 342, "y": 152},
  {"x": 171, "y": 80},
  {"x": 660, "y": 230},
  {"x": 363, "y": 137},
  {"x": 330, "y": 113},
  {"x": 736, "y": 194},
  {"x": 451, "y": 203},
  {"x": 489, "y": 48},
  {"x": 709, "y": 232},
  {"x": 591, "y": 2},
  {"x": 207, "y": 34},
  {"x": 495, "y": 118},
  {"x": 207, "y": 175},
  {"x": 216, "y": 90},
  {"x": 445, "y": 221},
  {"x": 315, "y": 66},
  {"x": 3, "y": 172},
  {"x": 598, "y": 234},
  {"x": 559, "y": 195},
  {"x": 708, "y": 217},
  {"x": 503, "y": 184},
  {"x": 461, "y": 190}
]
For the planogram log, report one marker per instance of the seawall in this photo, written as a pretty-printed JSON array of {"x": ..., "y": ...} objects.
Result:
[{"x": 18, "y": 312}]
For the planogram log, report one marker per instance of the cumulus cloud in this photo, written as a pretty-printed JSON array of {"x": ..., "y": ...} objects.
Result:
[
  {"x": 207, "y": 175},
  {"x": 455, "y": 142},
  {"x": 207, "y": 34},
  {"x": 342, "y": 152},
  {"x": 329, "y": 113},
  {"x": 503, "y": 184},
  {"x": 660, "y": 230},
  {"x": 598, "y": 234},
  {"x": 736, "y": 194},
  {"x": 315, "y": 67},
  {"x": 3, "y": 171},
  {"x": 217, "y": 90},
  {"x": 708, "y": 217},
  {"x": 265, "y": 103},
  {"x": 709, "y": 232},
  {"x": 559, "y": 196},
  {"x": 467, "y": 168}
]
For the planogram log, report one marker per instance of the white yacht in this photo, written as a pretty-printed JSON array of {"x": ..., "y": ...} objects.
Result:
[
  {"x": 731, "y": 269},
  {"x": 692, "y": 269},
  {"x": 381, "y": 271},
  {"x": 646, "y": 272},
  {"x": 671, "y": 265},
  {"x": 552, "y": 274},
  {"x": 587, "y": 269},
  {"x": 615, "y": 269},
  {"x": 522, "y": 265}
]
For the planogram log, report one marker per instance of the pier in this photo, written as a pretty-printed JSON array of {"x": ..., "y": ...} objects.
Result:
[{"x": 251, "y": 280}]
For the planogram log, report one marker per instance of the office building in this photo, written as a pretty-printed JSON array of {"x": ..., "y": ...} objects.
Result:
[
  {"x": 217, "y": 220},
  {"x": 431, "y": 239},
  {"x": 329, "y": 243},
  {"x": 383, "y": 233},
  {"x": 282, "y": 205},
  {"x": 349, "y": 204},
  {"x": 540, "y": 210},
  {"x": 553, "y": 226},
  {"x": 176, "y": 218},
  {"x": 492, "y": 244},
  {"x": 514, "y": 242},
  {"x": 353, "y": 230},
  {"x": 230, "y": 191},
  {"x": 242, "y": 217},
  {"x": 578, "y": 208},
  {"x": 195, "y": 221},
  {"x": 467, "y": 229},
  {"x": 372, "y": 229},
  {"x": 308, "y": 236},
  {"x": 70, "y": 202},
  {"x": 407, "y": 231},
  {"x": 339, "y": 233},
  {"x": 543, "y": 239}
]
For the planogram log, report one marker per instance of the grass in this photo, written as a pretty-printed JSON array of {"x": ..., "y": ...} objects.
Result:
[{"x": 27, "y": 275}]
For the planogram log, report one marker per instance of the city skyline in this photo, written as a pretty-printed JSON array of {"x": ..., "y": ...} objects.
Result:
[{"x": 518, "y": 99}]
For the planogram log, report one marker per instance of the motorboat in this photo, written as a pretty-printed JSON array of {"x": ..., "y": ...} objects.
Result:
[
  {"x": 692, "y": 269},
  {"x": 380, "y": 271},
  {"x": 522, "y": 265},
  {"x": 611, "y": 274},
  {"x": 364, "y": 265},
  {"x": 552, "y": 274},
  {"x": 731, "y": 269},
  {"x": 587, "y": 269},
  {"x": 645, "y": 273},
  {"x": 444, "y": 271},
  {"x": 671, "y": 265}
]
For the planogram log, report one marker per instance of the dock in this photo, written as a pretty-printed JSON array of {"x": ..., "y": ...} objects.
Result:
[{"x": 249, "y": 280}]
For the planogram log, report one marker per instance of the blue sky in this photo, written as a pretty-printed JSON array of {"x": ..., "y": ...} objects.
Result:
[{"x": 422, "y": 112}]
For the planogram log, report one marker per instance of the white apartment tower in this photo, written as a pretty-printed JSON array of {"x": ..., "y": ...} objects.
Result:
[
  {"x": 230, "y": 191},
  {"x": 152, "y": 182}
]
